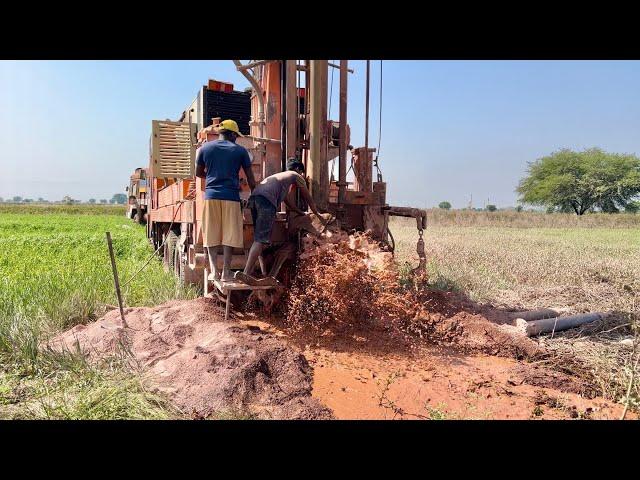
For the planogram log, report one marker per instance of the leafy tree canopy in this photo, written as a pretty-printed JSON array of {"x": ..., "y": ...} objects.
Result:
[
  {"x": 119, "y": 198},
  {"x": 582, "y": 181},
  {"x": 444, "y": 205}
]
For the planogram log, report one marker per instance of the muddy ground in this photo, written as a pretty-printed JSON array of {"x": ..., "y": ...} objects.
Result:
[
  {"x": 257, "y": 365},
  {"x": 351, "y": 341}
]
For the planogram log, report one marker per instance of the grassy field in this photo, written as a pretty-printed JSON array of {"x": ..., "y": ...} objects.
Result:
[
  {"x": 521, "y": 265},
  {"x": 508, "y": 260},
  {"x": 55, "y": 272}
]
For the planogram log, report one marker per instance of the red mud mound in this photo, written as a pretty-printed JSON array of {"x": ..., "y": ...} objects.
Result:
[
  {"x": 350, "y": 281},
  {"x": 207, "y": 366}
]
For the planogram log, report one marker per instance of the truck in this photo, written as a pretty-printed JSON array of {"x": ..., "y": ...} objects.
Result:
[
  {"x": 282, "y": 115},
  {"x": 137, "y": 196}
]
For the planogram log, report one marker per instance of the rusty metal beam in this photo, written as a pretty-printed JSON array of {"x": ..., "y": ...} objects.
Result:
[
  {"x": 292, "y": 107},
  {"x": 342, "y": 162},
  {"x": 242, "y": 68},
  {"x": 366, "y": 115},
  {"x": 317, "y": 165}
]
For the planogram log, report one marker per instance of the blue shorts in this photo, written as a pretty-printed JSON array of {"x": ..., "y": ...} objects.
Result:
[{"x": 264, "y": 214}]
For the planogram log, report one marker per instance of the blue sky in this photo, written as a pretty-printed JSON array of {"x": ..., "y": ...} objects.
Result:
[{"x": 450, "y": 129}]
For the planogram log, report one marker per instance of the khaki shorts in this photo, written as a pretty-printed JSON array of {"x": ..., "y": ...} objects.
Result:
[{"x": 222, "y": 224}]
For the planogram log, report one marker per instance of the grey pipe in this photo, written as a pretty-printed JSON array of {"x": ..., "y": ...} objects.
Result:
[
  {"x": 557, "y": 324},
  {"x": 534, "y": 314}
]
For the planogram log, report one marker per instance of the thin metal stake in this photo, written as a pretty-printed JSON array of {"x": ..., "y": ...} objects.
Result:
[{"x": 115, "y": 279}]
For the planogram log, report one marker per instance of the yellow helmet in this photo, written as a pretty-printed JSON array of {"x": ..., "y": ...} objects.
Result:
[{"x": 230, "y": 125}]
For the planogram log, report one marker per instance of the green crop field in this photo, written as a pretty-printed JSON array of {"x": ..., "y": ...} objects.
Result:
[{"x": 55, "y": 272}]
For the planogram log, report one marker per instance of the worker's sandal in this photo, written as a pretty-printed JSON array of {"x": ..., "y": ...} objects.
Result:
[{"x": 244, "y": 278}]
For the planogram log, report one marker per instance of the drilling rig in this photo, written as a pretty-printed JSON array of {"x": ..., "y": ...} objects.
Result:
[{"x": 285, "y": 115}]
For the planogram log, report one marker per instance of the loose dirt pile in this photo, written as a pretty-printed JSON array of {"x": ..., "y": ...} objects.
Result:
[
  {"x": 206, "y": 366},
  {"x": 350, "y": 280}
]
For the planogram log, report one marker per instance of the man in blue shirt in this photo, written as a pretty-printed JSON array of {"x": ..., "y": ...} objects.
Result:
[{"x": 220, "y": 162}]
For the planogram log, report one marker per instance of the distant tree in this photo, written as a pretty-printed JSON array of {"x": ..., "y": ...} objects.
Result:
[
  {"x": 17, "y": 199},
  {"x": 103, "y": 201},
  {"x": 1, "y": 200},
  {"x": 92, "y": 200},
  {"x": 41, "y": 200},
  {"x": 68, "y": 200},
  {"x": 550, "y": 209},
  {"x": 444, "y": 205},
  {"x": 119, "y": 198},
  {"x": 491, "y": 208},
  {"x": 519, "y": 208},
  {"x": 28, "y": 200},
  {"x": 632, "y": 207},
  {"x": 582, "y": 181}
]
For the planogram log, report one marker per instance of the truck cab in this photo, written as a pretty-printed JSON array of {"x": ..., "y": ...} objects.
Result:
[{"x": 137, "y": 192}]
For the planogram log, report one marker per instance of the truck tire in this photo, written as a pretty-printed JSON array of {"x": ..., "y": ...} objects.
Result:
[
  {"x": 169, "y": 251},
  {"x": 138, "y": 213},
  {"x": 177, "y": 264}
]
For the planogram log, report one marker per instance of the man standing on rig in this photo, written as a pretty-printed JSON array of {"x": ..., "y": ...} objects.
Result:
[
  {"x": 220, "y": 162},
  {"x": 264, "y": 203}
]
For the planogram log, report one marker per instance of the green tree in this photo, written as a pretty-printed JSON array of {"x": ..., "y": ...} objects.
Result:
[
  {"x": 119, "y": 198},
  {"x": 491, "y": 208},
  {"x": 17, "y": 199},
  {"x": 92, "y": 200},
  {"x": 103, "y": 201},
  {"x": 444, "y": 205},
  {"x": 582, "y": 181},
  {"x": 519, "y": 208},
  {"x": 632, "y": 207}
]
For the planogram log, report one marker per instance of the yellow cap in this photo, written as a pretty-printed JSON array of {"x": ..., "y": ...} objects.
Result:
[{"x": 230, "y": 125}]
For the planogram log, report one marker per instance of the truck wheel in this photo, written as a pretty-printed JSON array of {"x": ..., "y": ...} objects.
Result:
[
  {"x": 169, "y": 251},
  {"x": 178, "y": 268}
]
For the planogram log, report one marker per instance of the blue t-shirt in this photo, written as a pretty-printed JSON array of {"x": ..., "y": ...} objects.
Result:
[{"x": 222, "y": 160}]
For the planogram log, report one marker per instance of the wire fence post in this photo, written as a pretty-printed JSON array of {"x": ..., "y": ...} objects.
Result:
[{"x": 115, "y": 279}]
